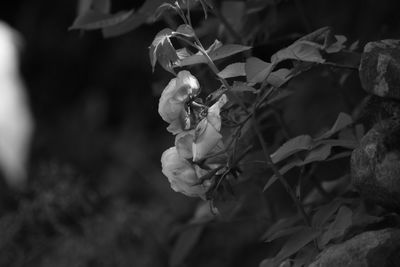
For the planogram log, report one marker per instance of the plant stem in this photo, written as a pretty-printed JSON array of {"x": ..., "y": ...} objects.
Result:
[
  {"x": 283, "y": 181},
  {"x": 213, "y": 67}
]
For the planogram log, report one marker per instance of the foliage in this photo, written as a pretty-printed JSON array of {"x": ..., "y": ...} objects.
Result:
[{"x": 218, "y": 131}]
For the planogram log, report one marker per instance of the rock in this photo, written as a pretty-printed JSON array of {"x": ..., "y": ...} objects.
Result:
[
  {"x": 380, "y": 67},
  {"x": 375, "y": 165},
  {"x": 375, "y": 109},
  {"x": 375, "y": 248}
]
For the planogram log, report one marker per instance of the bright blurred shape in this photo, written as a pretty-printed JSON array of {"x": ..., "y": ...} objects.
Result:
[{"x": 16, "y": 124}]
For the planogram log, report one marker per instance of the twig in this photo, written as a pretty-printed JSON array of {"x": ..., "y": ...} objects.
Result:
[{"x": 283, "y": 181}]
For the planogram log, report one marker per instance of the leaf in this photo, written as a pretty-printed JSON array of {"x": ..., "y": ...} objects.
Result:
[
  {"x": 161, "y": 9},
  {"x": 215, "y": 95},
  {"x": 242, "y": 87},
  {"x": 346, "y": 143},
  {"x": 327, "y": 41},
  {"x": 338, "y": 227},
  {"x": 325, "y": 212},
  {"x": 161, "y": 50},
  {"x": 284, "y": 232},
  {"x": 342, "y": 121},
  {"x": 319, "y": 36},
  {"x": 300, "y": 50},
  {"x": 339, "y": 156},
  {"x": 294, "y": 145},
  {"x": 282, "y": 171},
  {"x": 187, "y": 59},
  {"x": 232, "y": 70},
  {"x": 215, "y": 52},
  {"x": 136, "y": 19},
  {"x": 185, "y": 30},
  {"x": 227, "y": 50},
  {"x": 92, "y": 20},
  {"x": 297, "y": 242},
  {"x": 363, "y": 220},
  {"x": 186, "y": 242},
  {"x": 319, "y": 153},
  {"x": 279, "y": 77},
  {"x": 309, "y": 47},
  {"x": 214, "y": 46},
  {"x": 281, "y": 224},
  {"x": 257, "y": 70},
  {"x": 336, "y": 46}
]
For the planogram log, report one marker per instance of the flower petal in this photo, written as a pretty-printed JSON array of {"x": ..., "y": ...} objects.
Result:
[
  {"x": 213, "y": 115},
  {"x": 206, "y": 139},
  {"x": 181, "y": 174},
  {"x": 183, "y": 144},
  {"x": 174, "y": 97}
]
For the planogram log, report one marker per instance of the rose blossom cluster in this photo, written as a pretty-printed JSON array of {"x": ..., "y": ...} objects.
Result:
[{"x": 198, "y": 140}]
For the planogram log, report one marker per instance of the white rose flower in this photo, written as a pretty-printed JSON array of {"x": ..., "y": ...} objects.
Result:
[
  {"x": 174, "y": 97},
  {"x": 182, "y": 175},
  {"x": 207, "y": 137}
]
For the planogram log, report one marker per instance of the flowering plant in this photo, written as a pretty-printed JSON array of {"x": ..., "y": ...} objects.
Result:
[{"x": 224, "y": 108}]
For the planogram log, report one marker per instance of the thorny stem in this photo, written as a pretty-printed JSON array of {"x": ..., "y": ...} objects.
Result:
[{"x": 279, "y": 175}]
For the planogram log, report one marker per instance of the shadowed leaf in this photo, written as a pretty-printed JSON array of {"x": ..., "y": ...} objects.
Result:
[
  {"x": 294, "y": 145},
  {"x": 257, "y": 70},
  {"x": 232, "y": 70},
  {"x": 342, "y": 121},
  {"x": 93, "y": 20}
]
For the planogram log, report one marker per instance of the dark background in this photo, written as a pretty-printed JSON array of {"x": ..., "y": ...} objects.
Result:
[{"x": 96, "y": 194}]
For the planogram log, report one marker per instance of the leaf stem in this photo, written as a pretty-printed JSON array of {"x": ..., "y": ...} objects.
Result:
[{"x": 283, "y": 181}]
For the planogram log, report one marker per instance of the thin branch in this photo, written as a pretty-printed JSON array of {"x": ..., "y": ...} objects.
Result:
[{"x": 275, "y": 170}]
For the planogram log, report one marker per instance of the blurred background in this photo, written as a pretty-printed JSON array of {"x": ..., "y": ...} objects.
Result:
[{"x": 96, "y": 195}]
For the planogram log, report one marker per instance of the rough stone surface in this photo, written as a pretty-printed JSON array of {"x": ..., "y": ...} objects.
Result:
[
  {"x": 380, "y": 68},
  {"x": 375, "y": 165},
  {"x": 369, "y": 249}
]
